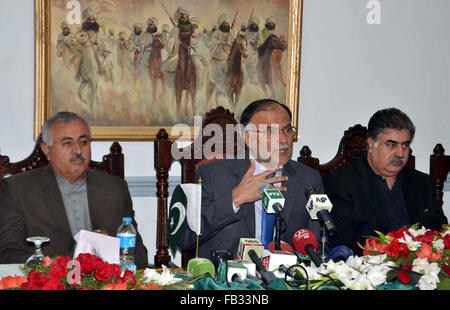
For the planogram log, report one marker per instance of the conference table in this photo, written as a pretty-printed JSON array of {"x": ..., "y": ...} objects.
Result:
[
  {"x": 208, "y": 283},
  {"x": 10, "y": 270}
]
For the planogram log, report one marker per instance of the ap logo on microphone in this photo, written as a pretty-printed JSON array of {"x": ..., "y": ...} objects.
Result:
[
  {"x": 321, "y": 199},
  {"x": 310, "y": 205}
]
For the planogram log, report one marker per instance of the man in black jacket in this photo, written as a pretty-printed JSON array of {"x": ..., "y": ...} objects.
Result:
[{"x": 378, "y": 192}]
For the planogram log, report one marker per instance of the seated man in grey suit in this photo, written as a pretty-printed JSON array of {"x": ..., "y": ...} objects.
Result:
[
  {"x": 379, "y": 192},
  {"x": 64, "y": 197},
  {"x": 231, "y": 204}
]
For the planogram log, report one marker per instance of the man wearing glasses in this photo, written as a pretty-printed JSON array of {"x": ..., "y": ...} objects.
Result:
[{"x": 231, "y": 203}]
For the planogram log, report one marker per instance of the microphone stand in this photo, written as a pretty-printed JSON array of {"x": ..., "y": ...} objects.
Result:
[
  {"x": 324, "y": 240},
  {"x": 278, "y": 223},
  {"x": 280, "y": 227}
]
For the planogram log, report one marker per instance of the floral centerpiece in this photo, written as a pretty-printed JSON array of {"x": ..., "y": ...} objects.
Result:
[
  {"x": 87, "y": 272},
  {"x": 414, "y": 256},
  {"x": 421, "y": 256}
]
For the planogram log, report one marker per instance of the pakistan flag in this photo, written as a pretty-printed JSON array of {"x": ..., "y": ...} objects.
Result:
[{"x": 184, "y": 212}]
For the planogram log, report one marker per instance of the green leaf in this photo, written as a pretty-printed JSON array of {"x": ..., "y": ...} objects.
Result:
[
  {"x": 383, "y": 237},
  {"x": 391, "y": 275},
  {"x": 444, "y": 282}
]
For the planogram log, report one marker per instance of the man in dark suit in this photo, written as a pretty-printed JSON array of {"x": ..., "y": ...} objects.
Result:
[
  {"x": 379, "y": 192},
  {"x": 62, "y": 198},
  {"x": 231, "y": 204}
]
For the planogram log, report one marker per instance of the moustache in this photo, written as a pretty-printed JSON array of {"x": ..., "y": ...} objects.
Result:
[
  {"x": 77, "y": 156},
  {"x": 396, "y": 160},
  {"x": 282, "y": 147}
]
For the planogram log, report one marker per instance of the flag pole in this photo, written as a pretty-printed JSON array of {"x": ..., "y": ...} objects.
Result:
[{"x": 198, "y": 235}]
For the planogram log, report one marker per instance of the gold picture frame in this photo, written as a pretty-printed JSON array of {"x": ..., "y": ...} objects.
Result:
[{"x": 49, "y": 95}]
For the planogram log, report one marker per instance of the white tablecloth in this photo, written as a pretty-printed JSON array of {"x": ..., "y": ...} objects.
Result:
[{"x": 10, "y": 270}]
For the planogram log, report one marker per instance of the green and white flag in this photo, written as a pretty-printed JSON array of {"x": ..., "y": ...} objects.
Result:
[{"x": 184, "y": 212}]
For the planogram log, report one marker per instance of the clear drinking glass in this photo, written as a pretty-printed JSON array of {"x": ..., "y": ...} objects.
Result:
[{"x": 37, "y": 258}]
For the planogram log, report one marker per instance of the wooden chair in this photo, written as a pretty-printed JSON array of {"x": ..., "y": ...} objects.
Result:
[
  {"x": 163, "y": 162},
  {"x": 439, "y": 169},
  {"x": 112, "y": 163},
  {"x": 353, "y": 145}
]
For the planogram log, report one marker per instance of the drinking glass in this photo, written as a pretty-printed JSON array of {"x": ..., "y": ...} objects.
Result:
[{"x": 37, "y": 258}]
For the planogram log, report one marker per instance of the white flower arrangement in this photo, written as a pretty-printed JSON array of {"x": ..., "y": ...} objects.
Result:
[{"x": 416, "y": 256}]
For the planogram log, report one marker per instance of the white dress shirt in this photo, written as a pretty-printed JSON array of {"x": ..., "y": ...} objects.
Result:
[{"x": 259, "y": 168}]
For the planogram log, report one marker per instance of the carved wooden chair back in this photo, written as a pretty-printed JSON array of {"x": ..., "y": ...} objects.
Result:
[
  {"x": 112, "y": 163},
  {"x": 439, "y": 169},
  {"x": 206, "y": 147}
]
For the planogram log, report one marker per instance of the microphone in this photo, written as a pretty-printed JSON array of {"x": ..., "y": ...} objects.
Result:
[
  {"x": 236, "y": 278},
  {"x": 272, "y": 199},
  {"x": 236, "y": 272},
  {"x": 265, "y": 275},
  {"x": 340, "y": 252},
  {"x": 306, "y": 243},
  {"x": 284, "y": 246},
  {"x": 291, "y": 272},
  {"x": 319, "y": 207},
  {"x": 273, "y": 202},
  {"x": 247, "y": 244}
]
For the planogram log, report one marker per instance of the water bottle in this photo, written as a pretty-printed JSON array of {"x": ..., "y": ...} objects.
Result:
[{"x": 127, "y": 235}]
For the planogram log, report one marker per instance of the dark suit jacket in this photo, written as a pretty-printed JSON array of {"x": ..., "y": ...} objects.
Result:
[
  {"x": 356, "y": 198},
  {"x": 222, "y": 228},
  {"x": 31, "y": 205}
]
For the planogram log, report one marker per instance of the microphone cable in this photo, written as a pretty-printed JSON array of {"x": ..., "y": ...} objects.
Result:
[{"x": 296, "y": 283}]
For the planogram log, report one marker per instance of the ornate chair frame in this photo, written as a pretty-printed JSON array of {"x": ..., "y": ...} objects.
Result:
[
  {"x": 353, "y": 145},
  {"x": 163, "y": 162},
  {"x": 439, "y": 169},
  {"x": 112, "y": 163}
]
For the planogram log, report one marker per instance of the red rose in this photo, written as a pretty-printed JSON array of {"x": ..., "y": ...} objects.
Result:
[
  {"x": 116, "y": 270},
  {"x": 446, "y": 268},
  {"x": 399, "y": 233},
  {"x": 62, "y": 261},
  {"x": 403, "y": 275},
  {"x": 104, "y": 272},
  {"x": 428, "y": 237},
  {"x": 396, "y": 249},
  {"x": 57, "y": 273},
  {"x": 447, "y": 242},
  {"x": 128, "y": 278},
  {"x": 53, "y": 286},
  {"x": 87, "y": 262},
  {"x": 36, "y": 280}
]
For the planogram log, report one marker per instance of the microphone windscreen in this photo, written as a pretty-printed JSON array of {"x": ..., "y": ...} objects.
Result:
[
  {"x": 283, "y": 245},
  {"x": 340, "y": 252},
  {"x": 199, "y": 266},
  {"x": 302, "y": 238},
  {"x": 309, "y": 191},
  {"x": 263, "y": 186}
]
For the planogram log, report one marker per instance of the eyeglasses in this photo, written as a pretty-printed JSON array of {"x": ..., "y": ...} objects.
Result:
[{"x": 273, "y": 130}]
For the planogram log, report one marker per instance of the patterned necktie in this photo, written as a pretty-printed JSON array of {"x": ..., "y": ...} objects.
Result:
[{"x": 267, "y": 224}]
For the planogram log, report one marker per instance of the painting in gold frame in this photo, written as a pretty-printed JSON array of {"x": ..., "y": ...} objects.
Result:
[{"x": 124, "y": 105}]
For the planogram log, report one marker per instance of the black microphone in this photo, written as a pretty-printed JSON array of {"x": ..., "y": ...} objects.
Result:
[
  {"x": 290, "y": 272},
  {"x": 266, "y": 276},
  {"x": 237, "y": 278},
  {"x": 319, "y": 207}
]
